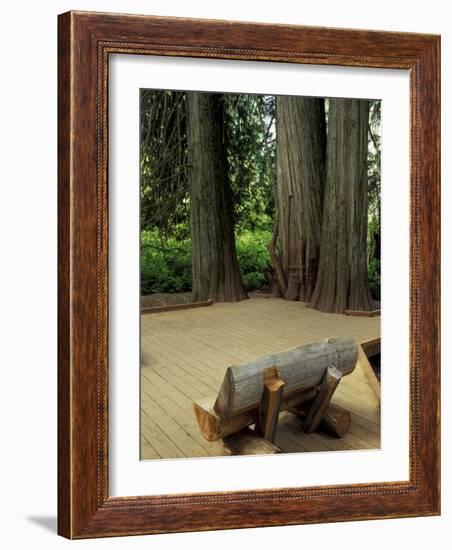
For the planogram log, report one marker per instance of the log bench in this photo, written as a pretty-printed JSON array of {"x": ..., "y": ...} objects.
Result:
[{"x": 301, "y": 381}]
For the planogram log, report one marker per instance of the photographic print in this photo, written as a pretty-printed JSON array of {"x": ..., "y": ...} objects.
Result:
[{"x": 259, "y": 274}]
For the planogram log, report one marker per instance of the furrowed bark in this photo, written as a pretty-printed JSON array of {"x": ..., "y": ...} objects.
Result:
[
  {"x": 342, "y": 280},
  {"x": 301, "y": 140},
  {"x": 215, "y": 267}
]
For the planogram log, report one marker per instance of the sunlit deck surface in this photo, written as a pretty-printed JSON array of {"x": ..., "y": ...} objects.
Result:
[{"x": 184, "y": 355}]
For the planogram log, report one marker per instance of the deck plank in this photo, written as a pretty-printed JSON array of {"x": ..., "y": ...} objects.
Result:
[{"x": 185, "y": 354}]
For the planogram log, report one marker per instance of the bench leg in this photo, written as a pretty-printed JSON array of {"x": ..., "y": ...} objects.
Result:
[
  {"x": 267, "y": 420},
  {"x": 320, "y": 404}
]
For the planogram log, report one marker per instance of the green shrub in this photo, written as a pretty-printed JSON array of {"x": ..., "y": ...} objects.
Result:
[
  {"x": 253, "y": 257},
  {"x": 166, "y": 263}
]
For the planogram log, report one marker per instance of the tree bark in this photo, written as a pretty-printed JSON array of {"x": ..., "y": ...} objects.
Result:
[
  {"x": 301, "y": 140},
  {"x": 342, "y": 281},
  {"x": 215, "y": 267}
]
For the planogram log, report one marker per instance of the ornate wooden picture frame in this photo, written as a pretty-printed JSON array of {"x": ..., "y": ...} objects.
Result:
[{"x": 86, "y": 40}]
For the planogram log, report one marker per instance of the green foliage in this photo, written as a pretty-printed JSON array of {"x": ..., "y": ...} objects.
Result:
[
  {"x": 374, "y": 278},
  {"x": 163, "y": 159},
  {"x": 250, "y": 145},
  {"x": 374, "y": 158},
  {"x": 166, "y": 262},
  {"x": 250, "y": 139},
  {"x": 373, "y": 194},
  {"x": 253, "y": 257}
]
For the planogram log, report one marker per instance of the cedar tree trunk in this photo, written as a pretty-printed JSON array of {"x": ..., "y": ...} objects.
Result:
[
  {"x": 301, "y": 142},
  {"x": 342, "y": 281},
  {"x": 215, "y": 267}
]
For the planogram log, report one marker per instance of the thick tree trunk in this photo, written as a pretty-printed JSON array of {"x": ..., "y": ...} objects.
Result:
[
  {"x": 215, "y": 267},
  {"x": 301, "y": 139},
  {"x": 342, "y": 281}
]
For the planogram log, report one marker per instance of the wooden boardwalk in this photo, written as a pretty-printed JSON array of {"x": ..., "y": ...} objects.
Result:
[{"x": 184, "y": 355}]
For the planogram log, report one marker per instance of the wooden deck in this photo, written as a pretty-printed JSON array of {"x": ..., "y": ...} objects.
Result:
[{"x": 184, "y": 355}]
